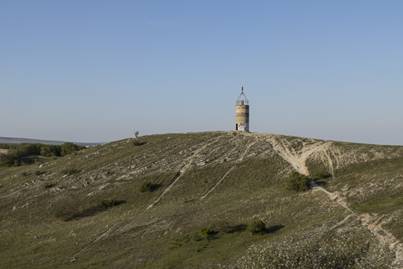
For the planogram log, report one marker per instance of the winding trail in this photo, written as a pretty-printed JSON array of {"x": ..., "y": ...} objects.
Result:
[
  {"x": 372, "y": 222},
  {"x": 297, "y": 159}
]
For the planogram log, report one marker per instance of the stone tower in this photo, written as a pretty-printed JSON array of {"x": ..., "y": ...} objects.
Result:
[{"x": 242, "y": 113}]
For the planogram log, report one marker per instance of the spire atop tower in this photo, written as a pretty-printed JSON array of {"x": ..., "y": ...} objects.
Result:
[{"x": 242, "y": 99}]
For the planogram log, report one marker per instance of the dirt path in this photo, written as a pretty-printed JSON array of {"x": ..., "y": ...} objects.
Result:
[
  {"x": 297, "y": 159},
  {"x": 334, "y": 196},
  {"x": 373, "y": 223}
]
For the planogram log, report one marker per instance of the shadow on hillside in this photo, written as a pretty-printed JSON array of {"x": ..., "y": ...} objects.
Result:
[
  {"x": 234, "y": 228},
  {"x": 320, "y": 182},
  {"x": 90, "y": 211},
  {"x": 274, "y": 228}
]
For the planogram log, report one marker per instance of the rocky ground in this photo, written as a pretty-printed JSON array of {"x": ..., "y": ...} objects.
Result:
[{"x": 185, "y": 200}]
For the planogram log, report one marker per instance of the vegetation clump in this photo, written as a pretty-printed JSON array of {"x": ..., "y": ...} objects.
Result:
[
  {"x": 20, "y": 154},
  {"x": 138, "y": 142},
  {"x": 70, "y": 171},
  {"x": 213, "y": 232},
  {"x": 299, "y": 183},
  {"x": 39, "y": 172},
  {"x": 206, "y": 234},
  {"x": 50, "y": 185},
  {"x": 25, "y": 174},
  {"x": 201, "y": 239},
  {"x": 150, "y": 187},
  {"x": 257, "y": 227}
]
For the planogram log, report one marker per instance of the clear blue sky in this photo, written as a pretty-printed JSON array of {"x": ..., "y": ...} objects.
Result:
[{"x": 96, "y": 70}]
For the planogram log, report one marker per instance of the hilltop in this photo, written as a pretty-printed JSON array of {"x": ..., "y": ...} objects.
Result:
[{"x": 190, "y": 200}]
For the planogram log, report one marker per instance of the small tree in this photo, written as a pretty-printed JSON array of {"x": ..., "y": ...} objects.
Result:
[
  {"x": 257, "y": 227},
  {"x": 299, "y": 183},
  {"x": 68, "y": 148},
  {"x": 46, "y": 151},
  {"x": 136, "y": 140},
  {"x": 150, "y": 187}
]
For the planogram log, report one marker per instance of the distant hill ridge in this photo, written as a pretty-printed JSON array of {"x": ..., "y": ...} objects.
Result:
[{"x": 19, "y": 140}]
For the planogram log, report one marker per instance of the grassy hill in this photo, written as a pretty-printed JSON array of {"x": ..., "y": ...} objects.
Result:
[{"x": 196, "y": 201}]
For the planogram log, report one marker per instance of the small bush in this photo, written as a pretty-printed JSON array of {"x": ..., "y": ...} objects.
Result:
[
  {"x": 257, "y": 227},
  {"x": 70, "y": 171},
  {"x": 137, "y": 142},
  {"x": 50, "y": 185},
  {"x": 206, "y": 234},
  {"x": 68, "y": 148},
  {"x": 39, "y": 172},
  {"x": 299, "y": 183},
  {"x": 150, "y": 187}
]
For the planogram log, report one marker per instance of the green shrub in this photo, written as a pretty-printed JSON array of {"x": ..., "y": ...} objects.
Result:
[
  {"x": 50, "y": 150},
  {"x": 70, "y": 171},
  {"x": 257, "y": 227},
  {"x": 20, "y": 154},
  {"x": 39, "y": 172},
  {"x": 68, "y": 148},
  {"x": 206, "y": 234},
  {"x": 299, "y": 183},
  {"x": 50, "y": 185},
  {"x": 137, "y": 142},
  {"x": 10, "y": 159},
  {"x": 150, "y": 187},
  {"x": 6, "y": 146}
]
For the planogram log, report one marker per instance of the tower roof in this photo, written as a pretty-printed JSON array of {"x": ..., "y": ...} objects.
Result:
[{"x": 242, "y": 99}]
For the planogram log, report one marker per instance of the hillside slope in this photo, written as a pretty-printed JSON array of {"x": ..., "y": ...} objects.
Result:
[{"x": 184, "y": 200}]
